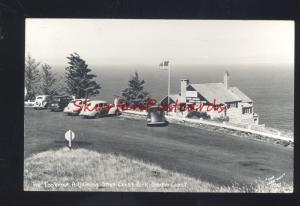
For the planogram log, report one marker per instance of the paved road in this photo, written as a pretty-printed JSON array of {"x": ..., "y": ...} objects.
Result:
[{"x": 215, "y": 157}]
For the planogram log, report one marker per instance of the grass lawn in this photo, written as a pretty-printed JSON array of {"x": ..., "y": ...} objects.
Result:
[{"x": 85, "y": 170}]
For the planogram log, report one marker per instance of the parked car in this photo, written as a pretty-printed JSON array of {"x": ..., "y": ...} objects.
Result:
[
  {"x": 115, "y": 111},
  {"x": 75, "y": 106},
  {"x": 42, "y": 101},
  {"x": 29, "y": 103},
  {"x": 156, "y": 117},
  {"x": 95, "y": 108},
  {"x": 58, "y": 103}
]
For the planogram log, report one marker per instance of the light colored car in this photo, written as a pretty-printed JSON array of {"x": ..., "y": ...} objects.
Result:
[
  {"x": 95, "y": 108},
  {"x": 29, "y": 103},
  {"x": 75, "y": 106},
  {"x": 41, "y": 101},
  {"x": 114, "y": 111}
]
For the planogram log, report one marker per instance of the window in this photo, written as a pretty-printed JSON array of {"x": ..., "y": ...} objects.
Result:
[
  {"x": 247, "y": 110},
  {"x": 234, "y": 104}
]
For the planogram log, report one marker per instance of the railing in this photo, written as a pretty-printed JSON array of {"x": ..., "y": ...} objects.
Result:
[
  {"x": 135, "y": 112},
  {"x": 216, "y": 124},
  {"x": 224, "y": 125}
]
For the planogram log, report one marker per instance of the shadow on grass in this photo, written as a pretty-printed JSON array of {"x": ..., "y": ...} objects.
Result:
[{"x": 74, "y": 143}]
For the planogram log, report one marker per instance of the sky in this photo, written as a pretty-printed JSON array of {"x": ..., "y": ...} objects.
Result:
[{"x": 187, "y": 42}]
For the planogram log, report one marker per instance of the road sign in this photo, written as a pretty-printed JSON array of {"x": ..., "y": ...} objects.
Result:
[{"x": 69, "y": 135}]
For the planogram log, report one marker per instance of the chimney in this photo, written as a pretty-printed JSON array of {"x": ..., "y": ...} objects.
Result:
[
  {"x": 226, "y": 80},
  {"x": 183, "y": 84}
]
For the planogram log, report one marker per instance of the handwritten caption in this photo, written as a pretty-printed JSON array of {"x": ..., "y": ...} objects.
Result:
[{"x": 177, "y": 106}]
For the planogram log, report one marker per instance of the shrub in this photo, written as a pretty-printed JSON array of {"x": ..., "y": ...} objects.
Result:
[{"x": 197, "y": 115}]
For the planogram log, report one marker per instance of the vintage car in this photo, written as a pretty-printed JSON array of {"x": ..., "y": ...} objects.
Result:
[
  {"x": 95, "y": 108},
  {"x": 29, "y": 103},
  {"x": 75, "y": 106},
  {"x": 42, "y": 102},
  {"x": 58, "y": 103},
  {"x": 114, "y": 111},
  {"x": 156, "y": 117}
]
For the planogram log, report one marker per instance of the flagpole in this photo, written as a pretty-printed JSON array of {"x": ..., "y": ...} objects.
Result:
[{"x": 169, "y": 83}]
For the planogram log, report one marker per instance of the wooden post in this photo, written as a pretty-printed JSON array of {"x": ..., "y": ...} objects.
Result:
[{"x": 70, "y": 141}]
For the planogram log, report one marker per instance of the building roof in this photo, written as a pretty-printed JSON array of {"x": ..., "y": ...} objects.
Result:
[
  {"x": 218, "y": 91},
  {"x": 175, "y": 97},
  {"x": 240, "y": 94}
]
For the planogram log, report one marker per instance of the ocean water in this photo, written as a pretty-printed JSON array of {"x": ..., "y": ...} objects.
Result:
[{"x": 270, "y": 87}]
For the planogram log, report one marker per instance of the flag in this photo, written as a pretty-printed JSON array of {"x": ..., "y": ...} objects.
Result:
[
  {"x": 164, "y": 65},
  {"x": 161, "y": 65}
]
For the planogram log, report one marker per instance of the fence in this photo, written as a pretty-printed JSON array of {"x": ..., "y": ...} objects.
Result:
[{"x": 216, "y": 124}]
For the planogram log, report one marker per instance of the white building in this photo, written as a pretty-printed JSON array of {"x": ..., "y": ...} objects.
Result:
[{"x": 238, "y": 107}]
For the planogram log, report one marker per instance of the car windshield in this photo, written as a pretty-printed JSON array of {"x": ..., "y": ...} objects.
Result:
[{"x": 155, "y": 109}]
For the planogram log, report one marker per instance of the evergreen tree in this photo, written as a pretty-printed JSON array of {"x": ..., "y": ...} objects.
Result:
[
  {"x": 32, "y": 77},
  {"x": 48, "y": 81},
  {"x": 135, "y": 94},
  {"x": 79, "y": 82},
  {"x": 61, "y": 86}
]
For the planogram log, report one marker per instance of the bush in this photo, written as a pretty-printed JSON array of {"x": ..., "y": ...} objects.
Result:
[{"x": 197, "y": 115}]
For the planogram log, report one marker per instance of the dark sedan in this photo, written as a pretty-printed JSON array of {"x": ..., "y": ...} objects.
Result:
[
  {"x": 58, "y": 103},
  {"x": 156, "y": 117}
]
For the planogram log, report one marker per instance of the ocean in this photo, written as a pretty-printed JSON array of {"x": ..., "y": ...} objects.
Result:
[{"x": 270, "y": 87}]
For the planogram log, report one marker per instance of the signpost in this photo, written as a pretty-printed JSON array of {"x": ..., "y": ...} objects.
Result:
[
  {"x": 193, "y": 94},
  {"x": 167, "y": 65},
  {"x": 69, "y": 136}
]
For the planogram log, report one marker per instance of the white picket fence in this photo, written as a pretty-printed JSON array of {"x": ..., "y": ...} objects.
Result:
[{"x": 216, "y": 124}]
